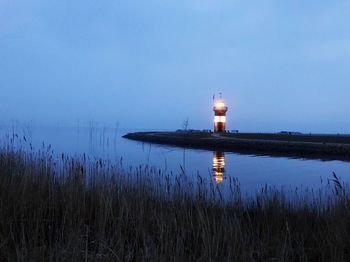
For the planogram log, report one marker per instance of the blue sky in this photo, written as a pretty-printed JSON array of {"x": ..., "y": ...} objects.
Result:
[{"x": 281, "y": 65}]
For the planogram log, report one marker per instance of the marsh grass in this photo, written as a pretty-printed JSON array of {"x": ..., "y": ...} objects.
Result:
[{"x": 81, "y": 209}]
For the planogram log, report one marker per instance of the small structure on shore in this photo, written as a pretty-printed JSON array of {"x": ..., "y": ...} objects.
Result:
[{"x": 220, "y": 110}]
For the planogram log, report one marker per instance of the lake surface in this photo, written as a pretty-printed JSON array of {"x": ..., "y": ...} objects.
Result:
[{"x": 252, "y": 172}]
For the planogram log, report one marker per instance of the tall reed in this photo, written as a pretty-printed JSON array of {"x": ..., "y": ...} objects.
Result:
[{"x": 81, "y": 209}]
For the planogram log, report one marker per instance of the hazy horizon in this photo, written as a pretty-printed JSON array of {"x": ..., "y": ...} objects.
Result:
[{"x": 152, "y": 64}]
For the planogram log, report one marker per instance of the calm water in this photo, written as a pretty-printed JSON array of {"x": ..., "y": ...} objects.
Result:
[{"x": 252, "y": 172}]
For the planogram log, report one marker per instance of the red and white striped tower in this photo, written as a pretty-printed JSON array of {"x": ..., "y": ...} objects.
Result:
[{"x": 220, "y": 110}]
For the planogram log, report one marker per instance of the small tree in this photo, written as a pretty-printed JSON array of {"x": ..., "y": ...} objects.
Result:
[{"x": 185, "y": 124}]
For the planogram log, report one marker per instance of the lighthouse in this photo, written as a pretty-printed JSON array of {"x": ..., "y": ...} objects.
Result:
[{"x": 220, "y": 110}]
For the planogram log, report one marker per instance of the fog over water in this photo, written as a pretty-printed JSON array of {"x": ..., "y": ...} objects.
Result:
[{"x": 281, "y": 65}]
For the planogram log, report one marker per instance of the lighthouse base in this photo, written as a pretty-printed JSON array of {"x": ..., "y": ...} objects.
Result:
[{"x": 219, "y": 127}]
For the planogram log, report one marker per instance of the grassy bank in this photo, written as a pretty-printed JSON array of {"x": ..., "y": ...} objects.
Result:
[{"x": 60, "y": 208}]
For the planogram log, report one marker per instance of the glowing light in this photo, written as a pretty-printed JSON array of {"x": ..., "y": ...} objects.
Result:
[
  {"x": 220, "y": 119},
  {"x": 220, "y": 104}
]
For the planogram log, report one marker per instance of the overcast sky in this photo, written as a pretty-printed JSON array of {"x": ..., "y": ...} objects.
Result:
[{"x": 281, "y": 65}]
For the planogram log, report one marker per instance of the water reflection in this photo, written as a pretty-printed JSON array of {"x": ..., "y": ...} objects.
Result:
[{"x": 218, "y": 166}]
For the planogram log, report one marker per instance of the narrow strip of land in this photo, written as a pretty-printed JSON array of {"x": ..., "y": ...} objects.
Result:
[{"x": 294, "y": 145}]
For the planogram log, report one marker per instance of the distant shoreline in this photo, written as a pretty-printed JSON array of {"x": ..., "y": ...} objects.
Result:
[{"x": 325, "y": 147}]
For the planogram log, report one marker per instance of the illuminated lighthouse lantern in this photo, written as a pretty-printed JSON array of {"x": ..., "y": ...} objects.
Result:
[{"x": 220, "y": 110}]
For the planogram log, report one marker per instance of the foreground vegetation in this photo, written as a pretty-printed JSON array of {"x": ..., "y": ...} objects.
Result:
[{"x": 87, "y": 209}]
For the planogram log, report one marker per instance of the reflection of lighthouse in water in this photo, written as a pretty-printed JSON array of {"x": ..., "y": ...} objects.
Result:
[{"x": 218, "y": 166}]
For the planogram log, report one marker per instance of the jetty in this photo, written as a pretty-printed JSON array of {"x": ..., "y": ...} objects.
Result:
[{"x": 319, "y": 146}]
